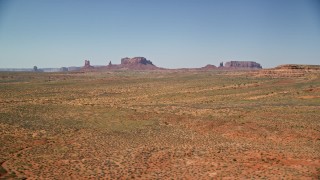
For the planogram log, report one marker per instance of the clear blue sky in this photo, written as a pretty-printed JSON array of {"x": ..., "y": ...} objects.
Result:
[{"x": 171, "y": 33}]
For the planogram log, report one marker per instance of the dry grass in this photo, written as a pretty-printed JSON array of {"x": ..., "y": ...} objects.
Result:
[{"x": 160, "y": 124}]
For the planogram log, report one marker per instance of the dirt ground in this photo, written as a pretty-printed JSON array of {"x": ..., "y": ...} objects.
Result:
[{"x": 215, "y": 124}]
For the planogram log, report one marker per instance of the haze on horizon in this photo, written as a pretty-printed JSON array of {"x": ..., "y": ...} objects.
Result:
[{"x": 170, "y": 33}]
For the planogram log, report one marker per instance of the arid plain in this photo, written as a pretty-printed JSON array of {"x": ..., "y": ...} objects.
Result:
[{"x": 161, "y": 124}]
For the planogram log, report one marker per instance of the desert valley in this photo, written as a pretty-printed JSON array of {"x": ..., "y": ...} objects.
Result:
[{"x": 137, "y": 121}]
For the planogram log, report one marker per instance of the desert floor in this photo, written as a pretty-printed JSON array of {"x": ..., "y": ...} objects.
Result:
[{"x": 160, "y": 125}]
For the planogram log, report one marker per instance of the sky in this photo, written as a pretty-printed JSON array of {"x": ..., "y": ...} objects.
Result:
[{"x": 170, "y": 33}]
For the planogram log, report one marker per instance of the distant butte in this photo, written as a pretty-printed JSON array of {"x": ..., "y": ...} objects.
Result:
[
  {"x": 298, "y": 67},
  {"x": 136, "y": 63},
  {"x": 87, "y": 65},
  {"x": 141, "y": 63},
  {"x": 209, "y": 67},
  {"x": 243, "y": 65}
]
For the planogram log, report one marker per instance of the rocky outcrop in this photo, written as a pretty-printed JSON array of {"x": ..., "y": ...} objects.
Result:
[
  {"x": 135, "y": 60},
  {"x": 138, "y": 63},
  {"x": 298, "y": 67},
  {"x": 208, "y": 67},
  {"x": 243, "y": 65},
  {"x": 87, "y": 65},
  {"x": 288, "y": 70}
]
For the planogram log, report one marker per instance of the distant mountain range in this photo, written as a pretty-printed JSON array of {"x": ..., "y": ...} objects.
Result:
[{"x": 136, "y": 63}]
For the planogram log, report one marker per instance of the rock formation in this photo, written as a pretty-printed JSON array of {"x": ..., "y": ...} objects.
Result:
[
  {"x": 243, "y": 65},
  {"x": 136, "y": 63},
  {"x": 298, "y": 67},
  {"x": 135, "y": 60},
  {"x": 208, "y": 67},
  {"x": 87, "y": 65},
  {"x": 139, "y": 63},
  {"x": 288, "y": 70}
]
